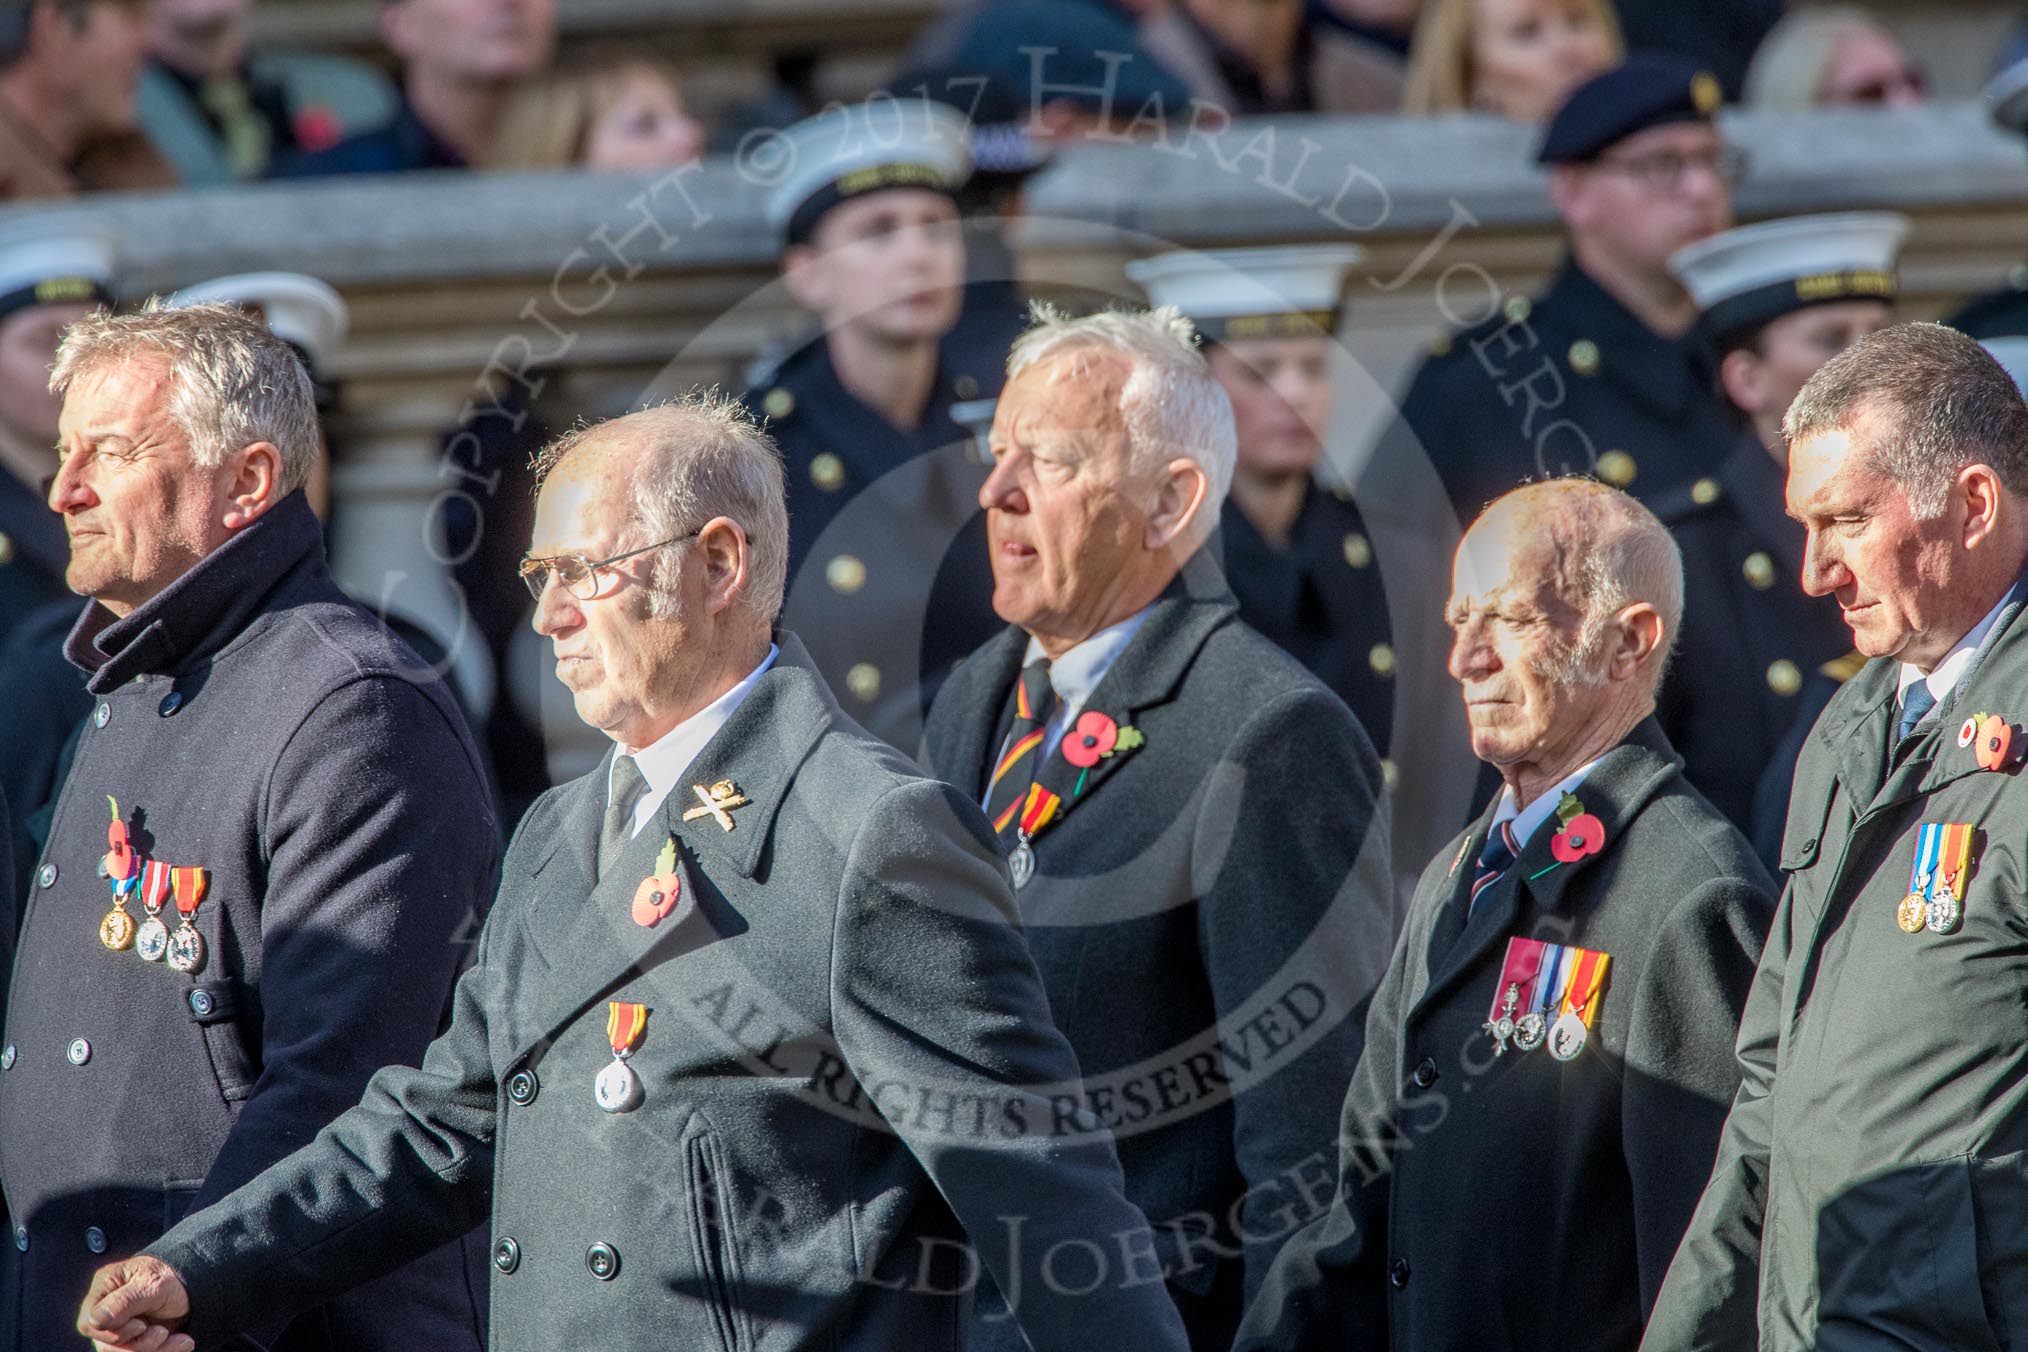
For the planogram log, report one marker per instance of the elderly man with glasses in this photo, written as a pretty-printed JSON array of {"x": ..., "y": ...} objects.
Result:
[
  {"x": 1602, "y": 373},
  {"x": 753, "y": 1039}
]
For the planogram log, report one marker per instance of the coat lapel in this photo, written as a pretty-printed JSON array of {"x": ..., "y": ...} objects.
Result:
[
  {"x": 978, "y": 692},
  {"x": 1978, "y": 691}
]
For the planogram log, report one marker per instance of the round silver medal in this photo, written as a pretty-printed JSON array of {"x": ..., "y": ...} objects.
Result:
[
  {"x": 1944, "y": 913},
  {"x": 1567, "y": 1037},
  {"x": 186, "y": 948},
  {"x": 151, "y": 941},
  {"x": 618, "y": 1089},
  {"x": 1529, "y": 1030},
  {"x": 1021, "y": 863}
]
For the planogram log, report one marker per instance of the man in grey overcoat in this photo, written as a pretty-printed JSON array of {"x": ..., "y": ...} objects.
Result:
[
  {"x": 753, "y": 1056},
  {"x": 1548, "y": 1061},
  {"x": 1872, "y": 1187}
]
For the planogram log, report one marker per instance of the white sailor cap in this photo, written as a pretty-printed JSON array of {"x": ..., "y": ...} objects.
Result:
[
  {"x": 2011, "y": 353},
  {"x": 1743, "y": 278},
  {"x": 55, "y": 259},
  {"x": 300, "y": 310},
  {"x": 1281, "y": 292},
  {"x": 2006, "y": 94},
  {"x": 844, "y": 152}
]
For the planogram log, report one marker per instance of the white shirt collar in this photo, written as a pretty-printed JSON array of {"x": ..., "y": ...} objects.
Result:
[
  {"x": 664, "y": 761},
  {"x": 1077, "y": 673},
  {"x": 1538, "y": 811},
  {"x": 1947, "y": 673}
]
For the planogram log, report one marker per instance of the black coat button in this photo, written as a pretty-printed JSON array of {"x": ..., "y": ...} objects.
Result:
[
  {"x": 102, "y": 715},
  {"x": 603, "y": 1261},
  {"x": 7, "y": 1058},
  {"x": 1425, "y": 1073},
  {"x": 95, "y": 1239},
  {"x": 171, "y": 702},
  {"x": 1397, "y": 1273},
  {"x": 506, "y": 1254},
  {"x": 522, "y": 1087},
  {"x": 201, "y": 1003},
  {"x": 47, "y": 877},
  {"x": 79, "y": 1051},
  {"x": 21, "y": 1238}
]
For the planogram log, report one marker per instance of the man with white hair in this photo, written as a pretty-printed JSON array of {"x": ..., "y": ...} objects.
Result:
[
  {"x": 1193, "y": 820},
  {"x": 299, "y": 836},
  {"x": 752, "y": 1040},
  {"x": 1549, "y": 1059}
]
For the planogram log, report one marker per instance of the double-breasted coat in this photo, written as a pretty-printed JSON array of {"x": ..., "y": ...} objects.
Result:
[
  {"x": 1514, "y": 1200},
  {"x": 1871, "y": 1190},
  {"x": 253, "y": 722},
  {"x": 847, "y": 1068},
  {"x": 1207, "y": 916}
]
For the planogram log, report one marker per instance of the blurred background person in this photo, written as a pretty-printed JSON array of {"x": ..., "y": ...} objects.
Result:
[
  {"x": 1756, "y": 654},
  {"x": 1720, "y": 36},
  {"x": 1517, "y": 59},
  {"x": 1297, "y": 554},
  {"x": 69, "y": 71},
  {"x": 460, "y": 63},
  {"x": 607, "y": 110},
  {"x": 1832, "y": 56},
  {"x": 219, "y": 111},
  {"x": 1270, "y": 56},
  {"x": 2003, "y": 312}
]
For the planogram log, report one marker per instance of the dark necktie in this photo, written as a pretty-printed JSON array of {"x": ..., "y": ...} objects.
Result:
[
  {"x": 1022, "y": 752},
  {"x": 1494, "y": 861},
  {"x": 628, "y": 787},
  {"x": 1917, "y": 702}
]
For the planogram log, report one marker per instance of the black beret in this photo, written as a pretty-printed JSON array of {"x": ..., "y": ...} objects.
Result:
[{"x": 1644, "y": 92}]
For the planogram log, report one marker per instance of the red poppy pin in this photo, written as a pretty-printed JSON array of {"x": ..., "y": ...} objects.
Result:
[
  {"x": 661, "y": 892},
  {"x": 120, "y": 859},
  {"x": 1578, "y": 834},
  {"x": 1093, "y": 738},
  {"x": 1992, "y": 740}
]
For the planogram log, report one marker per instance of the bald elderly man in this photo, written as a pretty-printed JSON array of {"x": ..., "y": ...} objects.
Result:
[{"x": 1548, "y": 1060}]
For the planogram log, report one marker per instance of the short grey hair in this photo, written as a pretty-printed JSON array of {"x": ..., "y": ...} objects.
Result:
[
  {"x": 703, "y": 457},
  {"x": 1171, "y": 404},
  {"x": 231, "y": 381},
  {"x": 1947, "y": 401},
  {"x": 1610, "y": 552}
]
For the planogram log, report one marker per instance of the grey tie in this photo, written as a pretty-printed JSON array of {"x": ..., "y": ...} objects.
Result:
[
  {"x": 1915, "y": 705},
  {"x": 628, "y": 786}
]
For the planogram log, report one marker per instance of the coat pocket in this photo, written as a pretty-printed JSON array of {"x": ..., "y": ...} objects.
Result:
[
  {"x": 2000, "y": 1215},
  {"x": 713, "y": 1209},
  {"x": 1898, "y": 1260}
]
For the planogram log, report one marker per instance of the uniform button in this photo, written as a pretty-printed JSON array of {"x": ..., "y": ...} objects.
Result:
[
  {"x": 1783, "y": 677},
  {"x": 1759, "y": 570},
  {"x": 201, "y": 1003},
  {"x": 1808, "y": 845},
  {"x": 95, "y": 1239},
  {"x": 863, "y": 680},
  {"x": 1381, "y": 659},
  {"x": 79, "y": 1052},
  {"x": 104, "y": 714},
  {"x": 522, "y": 1086},
  {"x": 21, "y": 1238},
  {"x": 827, "y": 471},
  {"x": 1704, "y": 492},
  {"x": 1617, "y": 468},
  {"x": 1584, "y": 358},
  {"x": 1390, "y": 774},
  {"x": 603, "y": 1261},
  {"x": 171, "y": 702},
  {"x": 1425, "y": 1073},
  {"x": 1518, "y": 308},
  {"x": 47, "y": 877},
  {"x": 1397, "y": 1273},
  {"x": 778, "y": 402},
  {"x": 846, "y": 574},
  {"x": 965, "y": 387},
  {"x": 6, "y": 549},
  {"x": 507, "y": 1254},
  {"x": 1358, "y": 550},
  {"x": 7, "y": 1058}
]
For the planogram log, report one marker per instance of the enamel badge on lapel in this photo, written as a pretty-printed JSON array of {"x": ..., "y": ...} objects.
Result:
[
  {"x": 661, "y": 892},
  {"x": 716, "y": 802},
  {"x": 1994, "y": 742},
  {"x": 1546, "y": 993},
  {"x": 1936, "y": 881},
  {"x": 618, "y": 1088}
]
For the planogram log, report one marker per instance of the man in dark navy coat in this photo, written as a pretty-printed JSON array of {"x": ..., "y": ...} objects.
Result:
[
  {"x": 1548, "y": 1062},
  {"x": 753, "y": 1056},
  {"x": 1195, "y": 824},
  {"x": 1602, "y": 373},
  {"x": 268, "y": 859}
]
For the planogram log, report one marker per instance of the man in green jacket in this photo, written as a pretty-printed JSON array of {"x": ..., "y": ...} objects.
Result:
[{"x": 1871, "y": 1189}]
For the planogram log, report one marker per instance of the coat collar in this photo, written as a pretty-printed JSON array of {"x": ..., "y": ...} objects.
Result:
[
  {"x": 1668, "y": 375},
  {"x": 1616, "y": 790},
  {"x": 761, "y": 748},
  {"x": 203, "y": 611}
]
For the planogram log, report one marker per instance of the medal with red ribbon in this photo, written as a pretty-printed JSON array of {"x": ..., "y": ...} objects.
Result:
[
  {"x": 152, "y": 940},
  {"x": 1546, "y": 992},
  {"x": 1036, "y": 813},
  {"x": 618, "y": 1089},
  {"x": 186, "y": 946}
]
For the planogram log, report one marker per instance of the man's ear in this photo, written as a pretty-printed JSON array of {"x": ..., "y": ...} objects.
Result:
[
  {"x": 255, "y": 485},
  {"x": 1566, "y": 192},
  {"x": 1740, "y": 375},
  {"x": 723, "y": 546},
  {"x": 1181, "y": 491},
  {"x": 1982, "y": 493},
  {"x": 807, "y": 278},
  {"x": 1638, "y": 632}
]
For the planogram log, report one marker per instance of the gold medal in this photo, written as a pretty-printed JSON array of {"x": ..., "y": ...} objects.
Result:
[
  {"x": 1913, "y": 914},
  {"x": 116, "y": 931}
]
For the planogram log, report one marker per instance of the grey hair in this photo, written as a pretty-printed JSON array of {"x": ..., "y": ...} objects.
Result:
[
  {"x": 704, "y": 457},
  {"x": 1611, "y": 552},
  {"x": 1170, "y": 403},
  {"x": 231, "y": 381},
  {"x": 1948, "y": 404}
]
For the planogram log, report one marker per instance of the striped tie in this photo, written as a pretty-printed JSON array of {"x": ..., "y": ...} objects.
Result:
[
  {"x": 1494, "y": 861},
  {"x": 1023, "y": 752}
]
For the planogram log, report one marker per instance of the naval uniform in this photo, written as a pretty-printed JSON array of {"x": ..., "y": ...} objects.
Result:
[
  {"x": 34, "y": 552},
  {"x": 1997, "y": 314},
  {"x": 890, "y": 584},
  {"x": 1570, "y": 383},
  {"x": 1321, "y": 600},
  {"x": 279, "y": 765},
  {"x": 1751, "y": 637}
]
